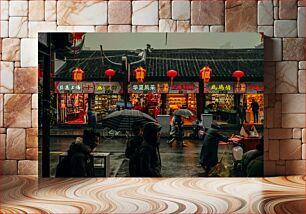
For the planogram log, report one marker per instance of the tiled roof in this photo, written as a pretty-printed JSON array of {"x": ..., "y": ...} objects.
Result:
[{"x": 187, "y": 62}]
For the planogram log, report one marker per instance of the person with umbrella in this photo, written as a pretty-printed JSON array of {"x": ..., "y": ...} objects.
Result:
[
  {"x": 133, "y": 150},
  {"x": 150, "y": 162},
  {"x": 177, "y": 130},
  {"x": 123, "y": 120}
]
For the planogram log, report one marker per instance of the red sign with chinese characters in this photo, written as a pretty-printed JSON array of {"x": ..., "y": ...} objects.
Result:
[
  {"x": 255, "y": 88},
  {"x": 184, "y": 88}
]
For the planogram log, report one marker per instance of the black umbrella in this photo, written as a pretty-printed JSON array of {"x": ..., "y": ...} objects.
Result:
[
  {"x": 184, "y": 112},
  {"x": 123, "y": 120}
]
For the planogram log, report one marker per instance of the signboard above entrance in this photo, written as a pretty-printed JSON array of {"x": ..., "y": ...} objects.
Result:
[
  {"x": 235, "y": 88},
  {"x": 88, "y": 87},
  {"x": 184, "y": 88},
  {"x": 161, "y": 87},
  {"x": 142, "y": 88},
  {"x": 219, "y": 88},
  {"x": 107, "y": 88}
]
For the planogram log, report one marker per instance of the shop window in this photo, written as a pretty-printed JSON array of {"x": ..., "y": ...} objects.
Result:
[
  {"x": 147, "y": 103},
  {"x": 259, "y": 98},
  {"x": 105, "y": 104},
  {"x": 73, "y": 108}
]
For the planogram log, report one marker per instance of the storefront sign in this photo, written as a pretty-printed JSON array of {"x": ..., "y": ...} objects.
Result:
[
  {"x": 236, "y": 88},
  {"x": 88, "y": 87},
  {"x": 142, "y": 88},
  {"x": 255, "y": 88},
  {"x": 184, "y": 88},
  {"x": 219, "y": 88},
  {"x": 107, "y": 87},
  {"x": 68, "y": 87}
]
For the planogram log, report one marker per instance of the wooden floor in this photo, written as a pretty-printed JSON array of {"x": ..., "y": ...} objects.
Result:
[{"x": 29, "y": 194}]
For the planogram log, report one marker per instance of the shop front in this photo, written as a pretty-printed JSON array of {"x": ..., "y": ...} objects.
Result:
[
  {"x": 107, "y": 95},
  {"x": 74, "y": 100},
  {"x": 222, "y": 99},
  {"x": 159, "y": 98}
]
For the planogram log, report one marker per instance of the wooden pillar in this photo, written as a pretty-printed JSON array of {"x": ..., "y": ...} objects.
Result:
[
  {"x": 200, "y": 100},
  {"x": 163, "y": 105},
  {"x": 46, "y": 111}
]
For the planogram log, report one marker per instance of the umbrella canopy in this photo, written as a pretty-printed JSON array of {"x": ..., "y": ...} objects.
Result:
[
  {"x": 183, "y": 112},
  {"x": 123, "y": 120},
  {"x": 121, "y": 104}
]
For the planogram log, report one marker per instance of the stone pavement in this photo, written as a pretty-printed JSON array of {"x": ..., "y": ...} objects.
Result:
[{"x": 176, "y": 161}]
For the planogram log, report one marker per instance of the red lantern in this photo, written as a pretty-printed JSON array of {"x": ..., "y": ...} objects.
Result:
[
  {"x": 110, "y": 73},
  {"x": 78, "y": 75},
  {"x": 171, "y": 74},
  {"x": 77, "y": 36},
  {"x": 140, "y": 73},
  {"x": 205, "y": 73},
  {"x": 238, "y": 74}
]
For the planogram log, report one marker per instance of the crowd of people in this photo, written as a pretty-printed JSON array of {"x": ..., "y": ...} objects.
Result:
[{"x": 142, "y": 150}]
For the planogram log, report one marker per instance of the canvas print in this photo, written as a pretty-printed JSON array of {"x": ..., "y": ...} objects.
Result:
[{"x": 151, "y": 104}]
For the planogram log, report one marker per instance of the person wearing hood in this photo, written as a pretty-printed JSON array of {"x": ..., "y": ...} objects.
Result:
[
  {"x": 133, "y": 148},
  {"x": 209, "y": 151},
  {"x": 177, "y": 131},
  {"x": 150, "y": 162},
  {"x": 81, "y": 162}
]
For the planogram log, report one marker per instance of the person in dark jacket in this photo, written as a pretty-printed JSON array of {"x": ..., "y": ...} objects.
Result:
[
  {"x": 150, "y": 162},
  {"x": 209, "y": 151},
  {"x": 177, "y": 131},
  {"x": 133, "y": 149},
  {"x": 256, "y": 167},
  {"x": 255, "y": 108},
  {"x": 251, "y": 155},
  {"x": 81, "y": 162}
]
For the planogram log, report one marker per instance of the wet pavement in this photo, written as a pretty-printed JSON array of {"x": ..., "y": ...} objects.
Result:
[{"x": 176, "y": 161}]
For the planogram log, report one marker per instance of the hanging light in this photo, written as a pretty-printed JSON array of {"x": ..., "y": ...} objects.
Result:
[
  {"x": 110, "y": 73},
  {"x": 77, "y": 36},
  {"x": 172, "y": 74},
  {"x": 140, "y": 74},
  {"x": 238, "y": 74},
  {"x": 205, "y": 73},
  {"x": 78, "y": 75}
]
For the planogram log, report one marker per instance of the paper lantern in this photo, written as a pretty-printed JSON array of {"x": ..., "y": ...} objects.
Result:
[
  {"x": 110, "y": 73},
  {"x": 78, "y": 75},
  {"x": 205, "y": 73},
  {"x": 140, "y": 73},
  {"x": 77, "y": 36},
  {"x": 238, "y": 74},
  {"x": 171, "y": 74}
]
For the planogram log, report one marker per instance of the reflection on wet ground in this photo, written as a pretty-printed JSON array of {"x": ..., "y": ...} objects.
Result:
[{"x": 176, "y": 161}]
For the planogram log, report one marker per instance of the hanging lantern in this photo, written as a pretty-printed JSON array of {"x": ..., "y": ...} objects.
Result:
[
  {"x": 238, "y": 74},
  {"x": 140, "y": 73},
  {"x": 205, "y": 73},
  {"x": 171, "y": 74},
  {"x": 110, "y": 73},
  {"x": 77, "y": 36},
  {"x": 78, "y": 75}
]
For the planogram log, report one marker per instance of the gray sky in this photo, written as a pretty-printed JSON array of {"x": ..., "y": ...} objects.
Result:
[{"x": 131, "y": 41}]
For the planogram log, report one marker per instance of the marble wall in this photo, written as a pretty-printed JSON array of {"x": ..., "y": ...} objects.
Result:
[{"x": 283, "y": 21}]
